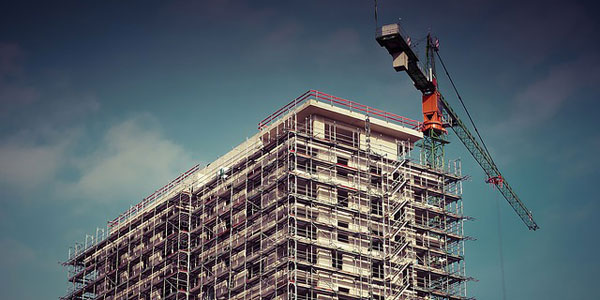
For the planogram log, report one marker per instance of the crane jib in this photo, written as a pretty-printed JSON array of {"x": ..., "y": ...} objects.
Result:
[{"x": 489, "y": 167}]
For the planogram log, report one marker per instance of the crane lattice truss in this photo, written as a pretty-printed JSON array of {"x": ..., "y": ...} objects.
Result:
[
  {"x": 324, "y": 202},
  {"x": 435, "y": 107}
]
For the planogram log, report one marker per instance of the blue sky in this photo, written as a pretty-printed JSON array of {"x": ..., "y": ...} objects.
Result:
[{"x": 103, "y": 102}]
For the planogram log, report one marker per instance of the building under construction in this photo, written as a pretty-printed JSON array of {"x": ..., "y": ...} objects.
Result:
[{"x": 327, "y": 201}]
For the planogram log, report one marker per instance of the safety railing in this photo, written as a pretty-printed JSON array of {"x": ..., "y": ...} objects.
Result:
[
  {"x": 150, "y": 199},
  {"x": 343, "y": 103}
]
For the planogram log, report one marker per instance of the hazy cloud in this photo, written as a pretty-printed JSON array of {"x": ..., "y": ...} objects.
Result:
[
  {"x": 14, "y": 96},
  {"x": 133, "y": 159},
  {"x": 242, "y": 13},
  {"x": 533, "y": 31},
  {"x": 10, "y": 56},
  {"x": 542, "y": 99},
  {"x": 28, "y": 159},
  {"x": 344, "y": 41},
  {"x": 14, "y": 93},
  {"x": 13, "y": 253},
  {"x": 50, "y": 149},
  {"x": 283, "y": 35},
  {"x": 578, "y": 162},
  {"x": 41, "y": 132},
  {"x": 289, "y": 43}
]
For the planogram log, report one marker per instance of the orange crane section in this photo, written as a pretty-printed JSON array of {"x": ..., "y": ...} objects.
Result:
[{"x": 432, "y": 112}]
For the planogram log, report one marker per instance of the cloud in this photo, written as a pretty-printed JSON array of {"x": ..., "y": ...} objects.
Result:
[
  {"x": 14, "y": 93},
  {"x": 14, "y": 253},
  {"x": 12, "y": 96},
  {"x": 37, "y": 121},
  {"x": 577, "y": 162},
  {"x": 344, "y": 41},
  {"x": 243, "y": 13},
  {"x": 284, "y": 35},
  {"x": 542, "y": 99},
  {"x": 549, "y": 27},
  {"x": 51, "y": 102},
  {"x": 133, "y": 159},
  {"x": 46, "y": 145},
  {"x": 10, "y": 56},
  {"x": 28, "y": 159},
  {"x": 288, "y": 43}
]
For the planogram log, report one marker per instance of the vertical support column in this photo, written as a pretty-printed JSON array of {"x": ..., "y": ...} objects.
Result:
[{"x": 292, "y": 187}]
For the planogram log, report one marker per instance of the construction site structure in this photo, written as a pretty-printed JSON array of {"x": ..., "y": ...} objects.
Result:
[{"x": 324, "y": 202}]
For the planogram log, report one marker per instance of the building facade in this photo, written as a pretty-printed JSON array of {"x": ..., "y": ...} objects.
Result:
[{"x": 324, "y": 202}]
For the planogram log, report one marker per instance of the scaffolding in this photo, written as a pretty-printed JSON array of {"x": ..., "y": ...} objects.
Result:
[{"x": 324, "y": 202}]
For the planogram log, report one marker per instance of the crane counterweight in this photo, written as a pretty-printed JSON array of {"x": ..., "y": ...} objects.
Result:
[
  {"x": 432, "y": 113},
  {"x": 404, "y": 59}
]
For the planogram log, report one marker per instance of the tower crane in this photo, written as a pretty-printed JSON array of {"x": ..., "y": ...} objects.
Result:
[{"x": 439, "y": 115}]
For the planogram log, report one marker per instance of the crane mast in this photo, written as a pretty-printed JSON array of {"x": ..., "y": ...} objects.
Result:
[{"x": 439, "y": 115}]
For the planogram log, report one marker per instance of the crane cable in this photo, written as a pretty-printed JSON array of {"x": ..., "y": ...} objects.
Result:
[
  {"x": 463, "y": 104},
  {"x": 500, "y": 252}
]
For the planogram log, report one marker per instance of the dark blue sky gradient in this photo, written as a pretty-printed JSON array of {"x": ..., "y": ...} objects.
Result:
[{"x": 102, "y": 102}]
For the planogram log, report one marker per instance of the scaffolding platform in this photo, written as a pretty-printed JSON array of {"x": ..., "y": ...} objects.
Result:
[{"x": 324, "y": 202}]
